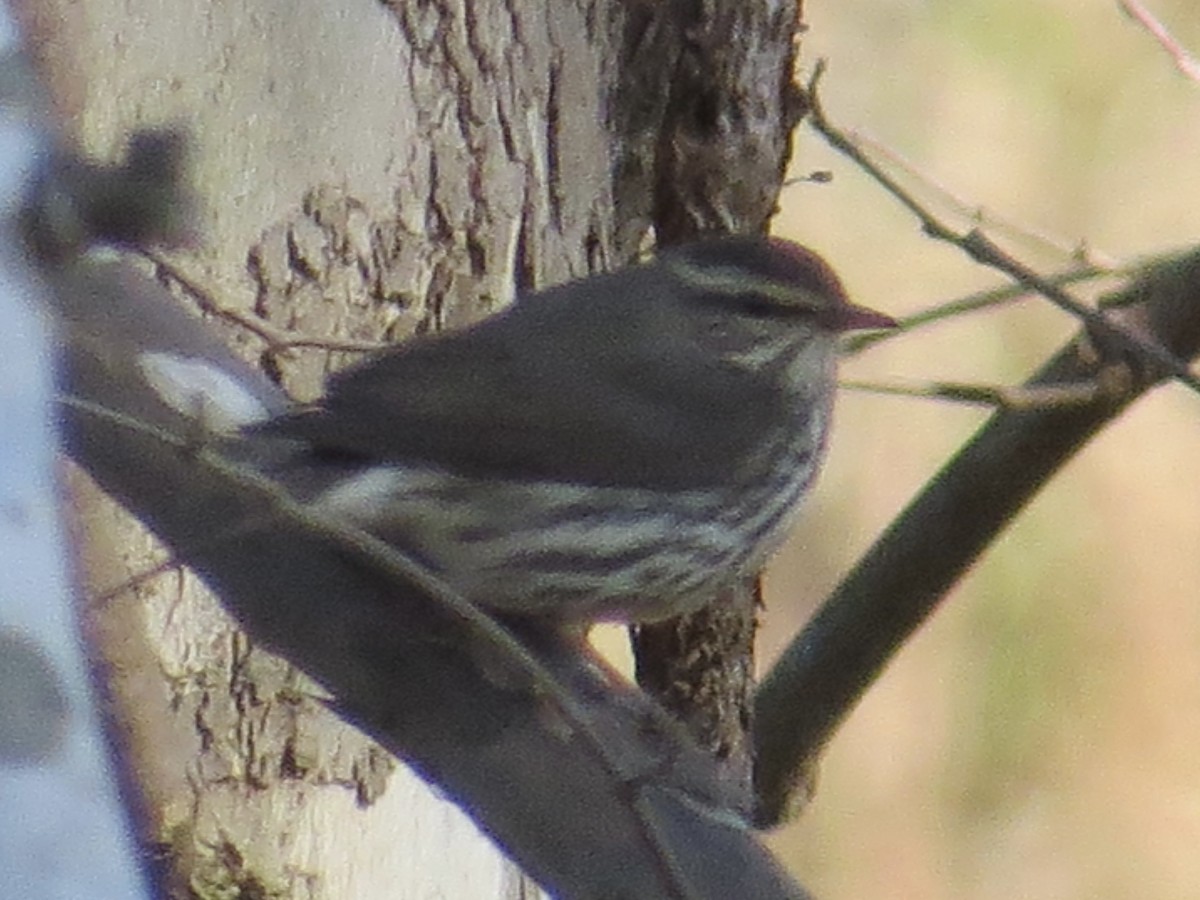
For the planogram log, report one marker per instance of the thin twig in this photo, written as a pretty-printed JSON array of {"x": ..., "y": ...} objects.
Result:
[
  {"x": 135, "y": 581},
  {"x": 982, "y": 249},
  {"x": 994, "y": 297},
  {"x": 856, "y": 343},
  {"x": 1000, "y": 396},
  {"x": 1184, "y": 61},
  {"x": 980, "y": 216},
  {"x": 278, "y": 340}
]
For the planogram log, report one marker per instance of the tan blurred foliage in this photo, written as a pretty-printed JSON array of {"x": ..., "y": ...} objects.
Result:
[{"x": 1040, "y": 738}]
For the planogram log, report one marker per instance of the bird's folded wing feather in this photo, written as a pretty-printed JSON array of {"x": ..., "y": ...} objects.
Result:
[{"x": 599, "y": 401}]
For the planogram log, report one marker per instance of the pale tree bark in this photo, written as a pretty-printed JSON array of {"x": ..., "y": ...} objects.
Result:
[{"x": 364, "y": 171}]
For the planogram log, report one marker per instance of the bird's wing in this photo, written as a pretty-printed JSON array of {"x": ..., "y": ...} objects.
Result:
[{"x": 524, "y": 395}]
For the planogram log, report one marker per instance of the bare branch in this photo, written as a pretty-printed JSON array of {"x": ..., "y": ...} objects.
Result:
[
  {"x": 1112, "y": 382},
  {"x": 1184, "y": 61},
  {"x": 1080, "y": 252},
  {"x": 989, "y": 299},
  {"x": 276, "y": 339},
  {"x": 903, "y": 577},
  {"x": 982, "y": 249}
]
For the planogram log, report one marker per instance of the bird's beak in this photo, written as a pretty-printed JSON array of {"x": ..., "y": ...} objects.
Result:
[{"x": 859, "y": 318}]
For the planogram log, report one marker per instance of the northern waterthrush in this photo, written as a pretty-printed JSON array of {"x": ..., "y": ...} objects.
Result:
[{"x": 625, "y": 446}]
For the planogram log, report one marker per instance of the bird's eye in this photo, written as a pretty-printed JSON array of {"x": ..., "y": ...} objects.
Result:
[{"x": 758, "y": 307}]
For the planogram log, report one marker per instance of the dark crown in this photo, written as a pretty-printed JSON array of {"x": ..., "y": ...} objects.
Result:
[{"x": 777, "y": 270}]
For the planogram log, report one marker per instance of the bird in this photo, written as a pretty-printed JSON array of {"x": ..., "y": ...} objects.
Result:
[{"x": 626, "y": 446}]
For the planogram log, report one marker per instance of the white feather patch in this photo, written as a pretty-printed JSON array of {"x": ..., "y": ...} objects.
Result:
[{"x": 202, "y": 391}]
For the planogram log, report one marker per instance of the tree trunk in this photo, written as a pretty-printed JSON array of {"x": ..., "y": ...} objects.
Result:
[{"x": 364, "y": 171}]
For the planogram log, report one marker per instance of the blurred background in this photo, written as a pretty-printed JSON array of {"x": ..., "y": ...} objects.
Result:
[{"x": 1040, "y": 737}]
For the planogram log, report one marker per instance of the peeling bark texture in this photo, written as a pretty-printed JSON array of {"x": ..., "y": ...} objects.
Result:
[
  {"x": 703, "y": 113},
  {"x": 701, "y": 668}
]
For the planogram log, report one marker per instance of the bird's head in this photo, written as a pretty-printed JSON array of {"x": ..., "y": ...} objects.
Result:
[{"x": 766, "y": 303}]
